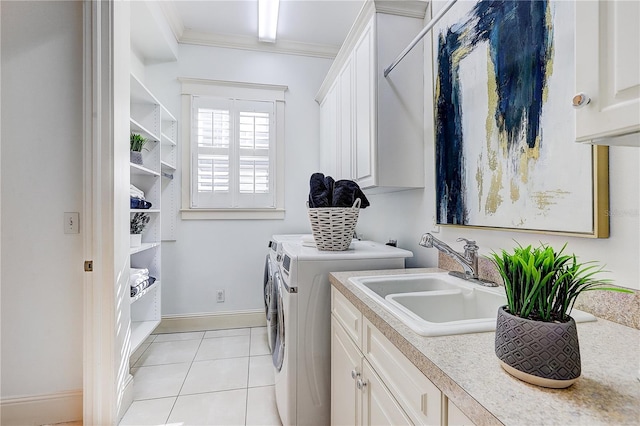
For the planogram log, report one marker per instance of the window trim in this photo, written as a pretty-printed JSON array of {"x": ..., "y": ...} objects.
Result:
[{"x": 249, "y": 91}]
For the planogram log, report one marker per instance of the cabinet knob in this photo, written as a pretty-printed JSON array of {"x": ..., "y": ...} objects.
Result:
[
  {"x": 580, "y": 100},
  {"x": 354, "y": 374},
  {"x": 360, "y": 384}
]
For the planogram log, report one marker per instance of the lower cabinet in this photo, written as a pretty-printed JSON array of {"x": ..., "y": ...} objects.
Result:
[
  {"x": 455, "y": 417},
  {"x": 372, "y": 382},
  {"x": 358, "y": 395}
]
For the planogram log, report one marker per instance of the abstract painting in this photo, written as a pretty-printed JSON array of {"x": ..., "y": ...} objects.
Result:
[{"x": 504, "y": 125}]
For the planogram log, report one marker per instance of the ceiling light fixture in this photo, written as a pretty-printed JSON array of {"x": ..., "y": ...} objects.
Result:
[{"x": 268, "y": 20}]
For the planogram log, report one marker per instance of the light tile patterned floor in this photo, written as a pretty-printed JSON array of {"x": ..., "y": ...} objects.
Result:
[{"x": 220, "y": 377}]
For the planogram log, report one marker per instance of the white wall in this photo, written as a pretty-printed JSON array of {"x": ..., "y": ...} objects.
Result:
[
  {"x": 41, "y": 178},
  {"x": 229, "y": 255}
]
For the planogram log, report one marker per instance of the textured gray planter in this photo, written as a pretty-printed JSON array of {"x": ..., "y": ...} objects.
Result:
[
  {"x": 135, "y": 157},
  {"x": 541, "y": 353}
]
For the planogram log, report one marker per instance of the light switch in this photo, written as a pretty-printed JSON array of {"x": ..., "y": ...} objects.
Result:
[{"x": 71, "y": 222}]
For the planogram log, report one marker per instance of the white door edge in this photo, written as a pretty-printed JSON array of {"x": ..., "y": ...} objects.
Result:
[{"x": 100, "y": 377}]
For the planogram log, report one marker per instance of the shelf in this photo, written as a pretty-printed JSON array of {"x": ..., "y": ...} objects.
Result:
[
  {"x": 167, "y": 140},
  {"x": 136, "y": 127},
  {"x": 139, "y": 93},
  {"x": 137, "y": 169},
  {"x": 167, "y": 166},
  {"x": 143, "y": 247},
  {"x": 140, "y": 330},
  {"x": 144, "y": 210},
  {"x": 167, "y": 113},
  {"x": 144, "y": 292}
]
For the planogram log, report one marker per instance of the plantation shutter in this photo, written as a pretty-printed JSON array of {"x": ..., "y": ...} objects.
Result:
[{"x": 234, "y": 153}]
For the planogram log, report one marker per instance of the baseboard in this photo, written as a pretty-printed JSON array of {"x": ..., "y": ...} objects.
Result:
[
  {"x": 42, "y": 409},
  {"x": 127, "y": 397},
  {"x": 214, "y": 321}
]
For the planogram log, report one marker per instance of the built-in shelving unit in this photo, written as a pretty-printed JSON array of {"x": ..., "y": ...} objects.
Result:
[
  {"x": 155, "y": 123},
  {"x": 168, "y": 162}
]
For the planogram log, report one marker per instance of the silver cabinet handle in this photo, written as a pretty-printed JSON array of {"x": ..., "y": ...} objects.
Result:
[
  {"x": 354, "y": 374},
  {"x": 580, "y": 100},
  {"x": 360, "y": 384}
]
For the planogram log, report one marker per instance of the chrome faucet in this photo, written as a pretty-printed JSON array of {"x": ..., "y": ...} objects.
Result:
[{"x": 468, "y": 260}]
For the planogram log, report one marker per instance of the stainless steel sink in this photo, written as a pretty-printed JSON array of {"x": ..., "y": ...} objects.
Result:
[{"x": 438, "y": 304}]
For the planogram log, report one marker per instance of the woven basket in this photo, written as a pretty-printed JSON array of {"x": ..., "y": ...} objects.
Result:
[{"x": 333, "y": 227}]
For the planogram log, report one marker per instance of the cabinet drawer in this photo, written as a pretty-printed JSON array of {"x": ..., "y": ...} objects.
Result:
[
  {"x": 347, "y": 315},
  {"x": 420, "y": 398}
]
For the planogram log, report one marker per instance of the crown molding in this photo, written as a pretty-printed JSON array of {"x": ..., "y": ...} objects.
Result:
[
  {"x": 252, "y": 43},
  {"x": 410, "y": 8}
]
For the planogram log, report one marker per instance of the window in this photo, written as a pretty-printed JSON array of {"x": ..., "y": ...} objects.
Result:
[
  {"x": 233, "y": 153},
  {"x": 235, "y": 156}
]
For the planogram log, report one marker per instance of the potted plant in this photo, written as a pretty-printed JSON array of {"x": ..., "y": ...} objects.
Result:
[
  {"x": 138, "y": 223},
  {"x": 136, "y": 144},
  {"x": 536, "y": 338}
]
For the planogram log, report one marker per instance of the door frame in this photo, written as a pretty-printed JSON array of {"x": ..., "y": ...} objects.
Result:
[{"x": 107, "y": 384}]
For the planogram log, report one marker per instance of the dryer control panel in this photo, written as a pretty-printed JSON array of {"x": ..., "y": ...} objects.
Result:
[{"x": 286, "y": 263}]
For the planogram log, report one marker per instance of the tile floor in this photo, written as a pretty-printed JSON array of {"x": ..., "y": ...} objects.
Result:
[{"x": 221, "y": 377}]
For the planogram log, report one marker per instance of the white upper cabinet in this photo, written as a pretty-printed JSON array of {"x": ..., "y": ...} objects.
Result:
[
  {"x": 377, "y": 135},
  {"x": 346, "y": 106},
  {"x": 607, "y": 48},
  {"x": 365, "y": 132},
  {"x": 328, "y": 131}
]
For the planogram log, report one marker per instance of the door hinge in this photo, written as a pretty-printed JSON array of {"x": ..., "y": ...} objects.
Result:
[{"x": 88, "y": 265}]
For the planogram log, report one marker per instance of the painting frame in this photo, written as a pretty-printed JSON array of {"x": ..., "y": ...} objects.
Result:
[
  {"x": 583, "y": 177},
  {"x": 600, "y": 171}
]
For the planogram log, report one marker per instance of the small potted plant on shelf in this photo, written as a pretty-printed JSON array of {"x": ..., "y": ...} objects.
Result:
[
  {"x": 138, "y": 223},
  {"x": 536, "y": 338},
  {"x": 136, "y": 144}
]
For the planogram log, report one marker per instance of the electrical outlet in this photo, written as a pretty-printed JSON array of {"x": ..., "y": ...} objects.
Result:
[{"x": 220, "y": 296}]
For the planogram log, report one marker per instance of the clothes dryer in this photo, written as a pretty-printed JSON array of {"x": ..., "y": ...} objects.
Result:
[
  {"x": 302, "y": 354},
  {"x": 269, "y": 290}
]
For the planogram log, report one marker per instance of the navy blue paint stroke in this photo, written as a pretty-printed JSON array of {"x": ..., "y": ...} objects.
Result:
[{"x": 519, "y": 44}]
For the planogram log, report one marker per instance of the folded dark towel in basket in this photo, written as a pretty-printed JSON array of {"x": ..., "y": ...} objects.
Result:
[
  {"x": 346, "y": 192},
  {"x": 325, "y": 192},
  {"x": 321, "y": 190}
]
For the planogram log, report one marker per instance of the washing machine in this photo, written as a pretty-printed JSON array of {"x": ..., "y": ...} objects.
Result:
[
  {"x": 302, "y": 348},
  {"x": 269, "y": 290}
]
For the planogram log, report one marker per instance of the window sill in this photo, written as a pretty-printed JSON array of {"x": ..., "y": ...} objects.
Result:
[{"x": 232, "y": 214}]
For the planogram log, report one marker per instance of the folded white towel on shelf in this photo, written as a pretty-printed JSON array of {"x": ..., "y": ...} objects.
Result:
[
  {"x": 136, "y": 192},
  {"x": 144, "y": 271},
  {"x": 135, "y": 281},
  {"x": 138, "y": 276}
]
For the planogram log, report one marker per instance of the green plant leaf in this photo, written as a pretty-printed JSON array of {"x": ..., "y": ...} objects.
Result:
[{"x": 543, "y": 284}]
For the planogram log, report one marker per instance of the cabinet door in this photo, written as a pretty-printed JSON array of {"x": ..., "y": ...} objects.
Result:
[
  {"x": 365, "y": 135},
  {"x": 346, "y": 362},
  {"x": 345, "y": 122},
  {"x": 416, "y": 394},
  {"x": 329, "y": 133},
  {"x": 378, "y": 406},
  {"x": 607, "y": 47},
  {"x": 456, "y": 417}
]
